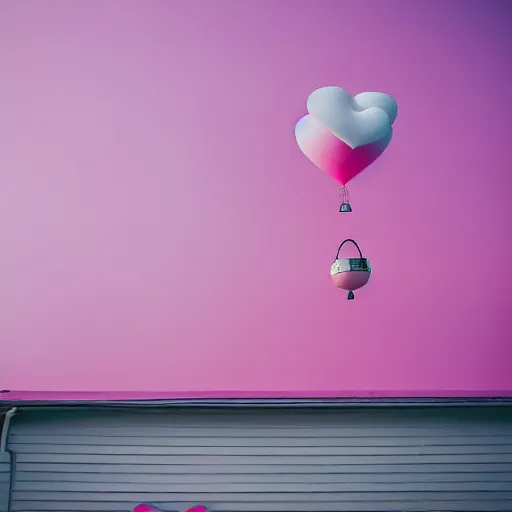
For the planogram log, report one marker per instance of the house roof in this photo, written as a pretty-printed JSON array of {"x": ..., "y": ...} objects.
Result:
[{"x": 255, "y": 399}]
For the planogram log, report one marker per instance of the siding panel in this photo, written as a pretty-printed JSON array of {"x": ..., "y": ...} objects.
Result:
[
  {"x": 264, "y": 460},
  {"x": 5, "y": 480}
]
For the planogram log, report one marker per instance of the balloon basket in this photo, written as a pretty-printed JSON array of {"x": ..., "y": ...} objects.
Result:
[
  {"x": 350, "y": 274},
  {"x": 345, "y": 208}
]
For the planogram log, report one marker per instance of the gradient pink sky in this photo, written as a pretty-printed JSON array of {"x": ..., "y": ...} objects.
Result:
[{"x": 161, "y": 231}]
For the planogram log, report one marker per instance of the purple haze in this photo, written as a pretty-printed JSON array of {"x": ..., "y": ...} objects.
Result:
[{"x": 161, "y": 230}]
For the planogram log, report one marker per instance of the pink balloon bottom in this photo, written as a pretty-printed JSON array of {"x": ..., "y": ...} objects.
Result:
[
  {"x": 332, "y": 155},
  {"x": 147, "y": 508},
  {"x": 351, "y": 280}
]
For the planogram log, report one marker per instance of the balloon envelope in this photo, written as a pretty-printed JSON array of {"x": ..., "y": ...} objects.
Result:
[
  {"x": 332, "y": 155},
  {"x": 350, "y": 280}
]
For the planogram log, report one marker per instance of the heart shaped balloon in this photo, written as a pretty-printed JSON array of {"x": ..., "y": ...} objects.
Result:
[
  {"x": 332, "y": 155},
  {"x": 356, "y": 121}
]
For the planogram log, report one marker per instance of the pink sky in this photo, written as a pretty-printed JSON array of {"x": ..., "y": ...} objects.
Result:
[{"x": 161, "y": 231}]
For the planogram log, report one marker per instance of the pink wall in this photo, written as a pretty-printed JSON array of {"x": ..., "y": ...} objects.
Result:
[{"x": 148, "y": 167}]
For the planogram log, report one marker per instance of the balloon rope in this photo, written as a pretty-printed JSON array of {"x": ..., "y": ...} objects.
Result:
[{"x": 344, "y": 195}]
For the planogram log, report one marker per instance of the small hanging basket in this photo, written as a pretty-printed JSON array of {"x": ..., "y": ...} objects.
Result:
[
  {"x": 350, "y": 273},
  {"x": 345, "y": 200}
]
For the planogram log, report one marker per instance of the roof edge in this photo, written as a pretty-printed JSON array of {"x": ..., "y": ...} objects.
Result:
[
  {"x": 266, "y": 403},
  {"x": 331, "y": 394}
]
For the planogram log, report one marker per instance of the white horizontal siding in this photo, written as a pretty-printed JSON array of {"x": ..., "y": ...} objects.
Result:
[
  {"x": 5, "y": 481},
  {"x": 264, "y": 460}
]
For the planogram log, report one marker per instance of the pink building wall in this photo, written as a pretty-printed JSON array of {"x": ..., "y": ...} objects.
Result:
[{"x": 161, "y": 231}]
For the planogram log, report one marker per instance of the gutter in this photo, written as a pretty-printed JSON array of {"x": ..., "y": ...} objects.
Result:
[
  {"x": 316, "y": 403},
  {"x": 5, "y": 431},
  {"x": 5, "y": 455}
]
